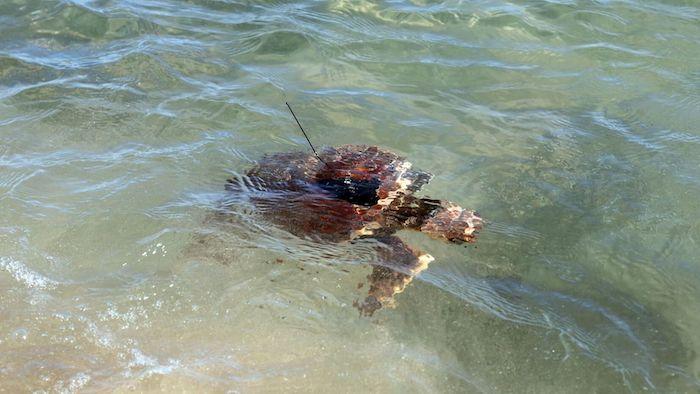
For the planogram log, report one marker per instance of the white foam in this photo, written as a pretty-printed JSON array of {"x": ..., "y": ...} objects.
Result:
[
  {"x": 151, "y": 366},
  {"x": 75, "y": 384},
  {"x": 23, "y": 274}
]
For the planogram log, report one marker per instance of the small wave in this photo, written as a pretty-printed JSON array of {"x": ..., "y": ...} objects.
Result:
[
  {"x": 132, "y": 152},
  {"x": 623, "y": 129},
  {"x": 514, "y": 231}
]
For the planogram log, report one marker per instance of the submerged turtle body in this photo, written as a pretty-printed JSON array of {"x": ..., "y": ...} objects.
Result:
[{"x": 357, "y": 191}]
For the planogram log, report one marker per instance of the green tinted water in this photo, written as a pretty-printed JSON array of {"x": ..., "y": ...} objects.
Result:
[{"x": 571, "y": 126}]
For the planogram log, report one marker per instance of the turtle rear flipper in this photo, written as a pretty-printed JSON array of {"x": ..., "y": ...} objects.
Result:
[{"x": 399, "y": 264}]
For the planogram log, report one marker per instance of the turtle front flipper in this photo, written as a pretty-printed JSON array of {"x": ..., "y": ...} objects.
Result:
[
  {"x": 398, "y": 265},
  {"x": 439, "y": 219},
  {"x": 452, "y": 223}
]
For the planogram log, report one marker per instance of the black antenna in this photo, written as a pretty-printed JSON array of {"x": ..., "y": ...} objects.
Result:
[{"x": 307, "y": 137}]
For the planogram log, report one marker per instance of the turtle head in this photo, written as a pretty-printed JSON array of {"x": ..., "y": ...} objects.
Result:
[{"x": 453, "y": 223}]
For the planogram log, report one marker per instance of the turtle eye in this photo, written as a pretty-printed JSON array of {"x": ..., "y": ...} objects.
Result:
[{"x": 360, "y": 192}]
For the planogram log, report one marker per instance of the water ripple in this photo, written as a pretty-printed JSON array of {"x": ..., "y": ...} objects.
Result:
[{"x": 570, "y": 125}]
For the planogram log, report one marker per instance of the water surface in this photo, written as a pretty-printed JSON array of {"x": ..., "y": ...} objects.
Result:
[{"x": 570, "y": 125}]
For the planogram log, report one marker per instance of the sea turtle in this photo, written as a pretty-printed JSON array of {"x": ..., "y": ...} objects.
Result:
[{"x": 357, "y": 191}]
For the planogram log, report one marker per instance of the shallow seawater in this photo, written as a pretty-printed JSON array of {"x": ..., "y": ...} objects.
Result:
[{"x": 571, "y": 126}]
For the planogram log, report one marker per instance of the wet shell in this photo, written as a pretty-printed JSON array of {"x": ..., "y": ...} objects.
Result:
[{"x": 368, "y": 175}]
